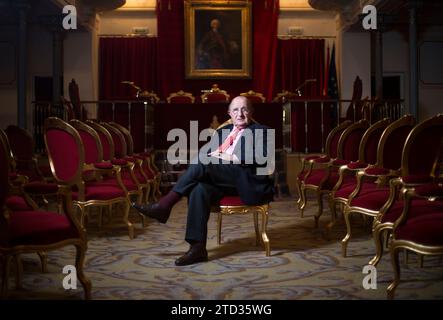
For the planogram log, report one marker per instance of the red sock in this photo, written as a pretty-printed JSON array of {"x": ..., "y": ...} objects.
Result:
[{"x": 169, "y": 200}]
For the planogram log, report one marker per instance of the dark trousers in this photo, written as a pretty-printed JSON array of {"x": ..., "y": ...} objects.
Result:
[{"x": 204, "y": 185}]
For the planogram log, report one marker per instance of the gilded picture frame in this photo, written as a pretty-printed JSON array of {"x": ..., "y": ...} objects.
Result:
[{"x": 217, "y": 39}]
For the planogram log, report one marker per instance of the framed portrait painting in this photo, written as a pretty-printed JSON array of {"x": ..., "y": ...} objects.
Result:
[{"x": 217, "y": 39}]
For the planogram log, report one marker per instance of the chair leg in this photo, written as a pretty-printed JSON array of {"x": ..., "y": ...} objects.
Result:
[
  {"x": 43, "y": 260},
  {"x": 303, "y": 201},
  {"x": 79, "y": 261},
  {"x": 320, "y": 207},
  {"x": 6, "y": 262},
  {"x": 219, "y": 226},
  {"x": 328, "y": 227},
  {"x": 126, "y": 209},
  {"x": 264, "y": 234},
  {"x": 396, "y": 268},
  {"x": 345, "y": 240},
  {"x": 378, "y": 236},
  {"x": 257, "y": 232},
  {"x": 18, "y": 271},
  {"x": 297, "y": 187},
  {"x": 420, "y": 260}
]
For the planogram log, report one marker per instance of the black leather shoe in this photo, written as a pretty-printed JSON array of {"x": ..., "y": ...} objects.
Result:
[
  {"x": 194, "y": 255},
  {"x": 153, "y": 211}
]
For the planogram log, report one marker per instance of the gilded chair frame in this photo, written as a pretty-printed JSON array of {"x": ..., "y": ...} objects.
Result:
[
  {"x": 80, "y": 243},
  {"x": 139, "y": 163},
  {"x": 215, "y": 90},
  {"x": 398, "y": 245},
  {"x": 399, "y": 187},
  {"x": 284, "y": 96},
  {"x": 131, "y": 164},
  {"x": 253, "y": 94},
  {"x": 345, "y": 170},
  {"x": 181, "y": 94},
  {"x": 263, "y": 210},
  {"x": 100, "y": 129},
  {"x": 311, "y": 162},
  {"x": 381, "y": 180},
  {"x": 77, "y": 179},
  {"x": 318, "y": 189}
]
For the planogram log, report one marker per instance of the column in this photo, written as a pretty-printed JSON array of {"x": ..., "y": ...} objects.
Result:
[
  {"x": 23, "y": 7},
  {"x": 413, "y": 62}
]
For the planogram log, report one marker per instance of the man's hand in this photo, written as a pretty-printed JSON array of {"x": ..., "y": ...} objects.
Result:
[{"x": 225, "y": 156}]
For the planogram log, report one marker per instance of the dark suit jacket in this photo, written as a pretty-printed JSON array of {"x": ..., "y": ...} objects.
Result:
[{"x": 252, "y": 188}]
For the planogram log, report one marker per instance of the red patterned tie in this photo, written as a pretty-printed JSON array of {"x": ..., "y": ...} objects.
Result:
[{"x": 229, "y": 140}]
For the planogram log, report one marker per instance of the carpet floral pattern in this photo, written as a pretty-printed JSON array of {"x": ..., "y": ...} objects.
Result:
[{"x": 302, "y": 265}]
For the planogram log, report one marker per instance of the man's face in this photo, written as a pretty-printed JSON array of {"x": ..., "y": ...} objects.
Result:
[{"x": 239, "y": 112}]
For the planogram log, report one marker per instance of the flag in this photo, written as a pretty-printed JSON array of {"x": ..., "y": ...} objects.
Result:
[
  {"x": 333, "y": 88},
  {"x": 332, "y": 77}
]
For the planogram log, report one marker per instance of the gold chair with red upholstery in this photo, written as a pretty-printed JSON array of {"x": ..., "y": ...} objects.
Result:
[
  {"x": 254, "y": 97},
  {"x": 418, "y": 227},
  {"x": 31, "y": 231},
  {"x": 68, "y": 168},
  {"x": 232, "y": 204},
  {"x": 38, "y": 185},
  {"x": 315, "y": 163},
  {"x": 284, "y": 96},
  {"x": 347, "y": 174},
  {"x": 215, "y": 94},
  {"x": 324, "y": 180},
  {"x": 372, "y": 190},
  {"x": 143, "y": 171},
  {"x": 180, "y": 97},
  {"x": 418, "y": 160}
]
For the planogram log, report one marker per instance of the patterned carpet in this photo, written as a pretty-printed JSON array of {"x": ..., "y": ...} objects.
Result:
[{"x": 302, "y": 265}]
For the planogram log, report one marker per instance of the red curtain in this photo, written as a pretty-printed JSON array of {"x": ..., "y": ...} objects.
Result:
[
  {"x": 132, "y": 59},
  {"x": 299, "y": 60},
  {"x": 170, "y": 26}
]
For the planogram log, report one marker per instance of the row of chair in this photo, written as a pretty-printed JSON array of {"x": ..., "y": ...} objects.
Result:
[{"x": 370, "y": 170}]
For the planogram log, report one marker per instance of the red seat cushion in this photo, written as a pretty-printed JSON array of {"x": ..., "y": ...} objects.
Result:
[
  {"x": 37, "y": 228},
  {"x": 340, "y": 162},
  {"x": 372, "y": 199},
  {"x": 417, "y": 178},
  {"x": 426, "y": 229},
  {"x": 231, "y": 201},
  {"x": 119, "y": 162},
  {"x": 357, "y": 165},
  {"x": 17, "y": 203},
  {"x": 100, "y": 191},
  {"x": 376, "y": 171},
  {"x": 322, "y": 159},
  {"x": 103, "y": 165},
  {"x": 417, "y": 208}
]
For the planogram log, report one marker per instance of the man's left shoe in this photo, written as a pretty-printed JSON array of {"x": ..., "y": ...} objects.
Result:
[
  {"x": 194, "y": 255},
  {"x": 153, "y": 211}
]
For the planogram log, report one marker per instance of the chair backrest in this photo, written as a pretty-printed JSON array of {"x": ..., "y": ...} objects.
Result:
[
  {"x": 152, "y": 96},
  {"x": 105, "y": 139},
  {"x": 180, "y": 97},
  {"x": 67, "y": 105},
  {"x": 350, "y": 139},
  {"x": 284, "y": 96},
  {"x": 4, "y": 172},
  {"x": 90, "y": 140},
  {"x": 390, "y": 146},
  {"x": 120, "y": 147},
  {"x": 369, "y": 143},
  {"x": 334, "y": 137},
  {"x": 5, "y": 143},
  {"x": 21, "y": 142},
  {"x": 253, "y": 96},
  {"x": 422, "y": 147},
  {"x": 215, "y": 94},
  {"x": 127, "y": 135},
  {"x": 65, "y": 151}
]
